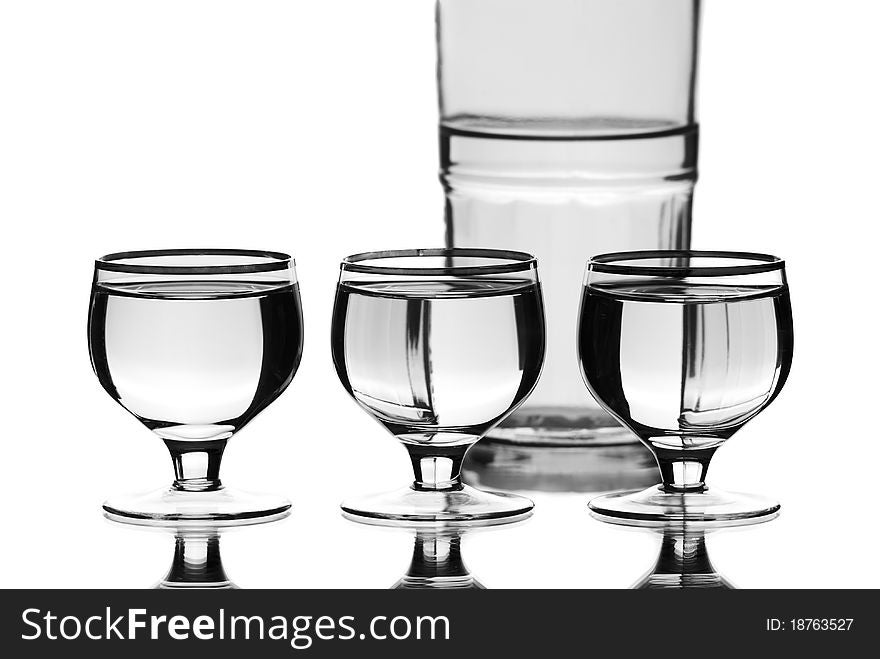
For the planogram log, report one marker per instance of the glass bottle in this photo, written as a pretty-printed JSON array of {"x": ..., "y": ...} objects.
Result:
[{"x": 567, "y": 129}]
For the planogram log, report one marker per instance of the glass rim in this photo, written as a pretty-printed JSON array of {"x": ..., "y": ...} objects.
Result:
[
  {"x": 609, "y": 263},
  {"x": 276, "y": 261},
  {"x": 509, "y": 261}
]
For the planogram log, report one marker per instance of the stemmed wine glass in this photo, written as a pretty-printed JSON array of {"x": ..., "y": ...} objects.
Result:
[
  {"x": 195, "y": 343},
  {"x": 438, "y": 345},
  {"x": 683, "y": 348}
]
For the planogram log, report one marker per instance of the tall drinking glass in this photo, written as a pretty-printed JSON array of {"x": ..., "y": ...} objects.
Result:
[
  {"x": 195, "y": 343},
  {"x": 567, "y": 128}
]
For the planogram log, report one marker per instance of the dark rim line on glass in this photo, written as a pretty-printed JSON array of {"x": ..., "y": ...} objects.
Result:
[
  {"x": 608, "y": 263},
  {"x": 280, "y": 261},
  {"x": 509, "y": 261}
]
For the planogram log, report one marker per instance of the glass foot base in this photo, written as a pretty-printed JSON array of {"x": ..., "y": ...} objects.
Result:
[
  {"x": 223, "y": 507},
  {"x": 655, "y": 507},
  {"x": 464, "y": 507}
]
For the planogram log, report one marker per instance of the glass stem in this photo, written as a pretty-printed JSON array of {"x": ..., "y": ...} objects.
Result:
[
  {"x": 437, "y": 467},
  {"x": 684, "y": 471},
  {"x": 196, "y": 464}
]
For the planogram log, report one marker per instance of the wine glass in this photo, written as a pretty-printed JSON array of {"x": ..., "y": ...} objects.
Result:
[
  {"x": 683, "y": 348},
  {"x": 438, "y": 345},
  {"x": 195, "y": 343}
]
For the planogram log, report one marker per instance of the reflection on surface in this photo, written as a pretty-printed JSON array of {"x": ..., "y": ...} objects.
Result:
[
  {"x": 197, "y": 562},
  {"x": 437, "y": 563},
  {"x": 683, "y": 562},
  {"x": 599, "y": 467},
  {"x": 436, "y": 556}
]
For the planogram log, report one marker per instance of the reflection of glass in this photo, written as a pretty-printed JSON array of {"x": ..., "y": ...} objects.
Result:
[
  {"x": 684, "y": 348},
  {"x": 197, "y": 562},
  {"x": 567, "y": 128},
  {"x": 437, "y": 563},
  {"x": 438, "y": 346},
  {"x": 683, "y": 562},
  {"x": 195, "y": 343}
]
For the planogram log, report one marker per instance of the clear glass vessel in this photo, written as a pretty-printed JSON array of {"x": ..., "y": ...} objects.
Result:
[
  {"x": 684, "y": 348},
  {"x": 438, "y": 345},
  {"x": 567, "y": 128},
  {"x": 195, "y": 343}
]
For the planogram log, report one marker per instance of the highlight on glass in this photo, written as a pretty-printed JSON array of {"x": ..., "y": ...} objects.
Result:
[
  {"x": 439, "y": 346},
  {"x": 684, "y": 348},
  {"x": 195, "y": 343}
]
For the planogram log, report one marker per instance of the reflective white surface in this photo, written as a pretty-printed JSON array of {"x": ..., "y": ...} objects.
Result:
[{"x": 278, "y": 125}]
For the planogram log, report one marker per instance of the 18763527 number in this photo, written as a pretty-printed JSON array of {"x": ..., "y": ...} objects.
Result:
[
  {"x": 821, "y": 624},
  {"x": 810, "y": 624}
]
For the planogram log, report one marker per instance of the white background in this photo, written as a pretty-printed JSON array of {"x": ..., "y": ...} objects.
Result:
[{"x": 309, "y": 127}]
